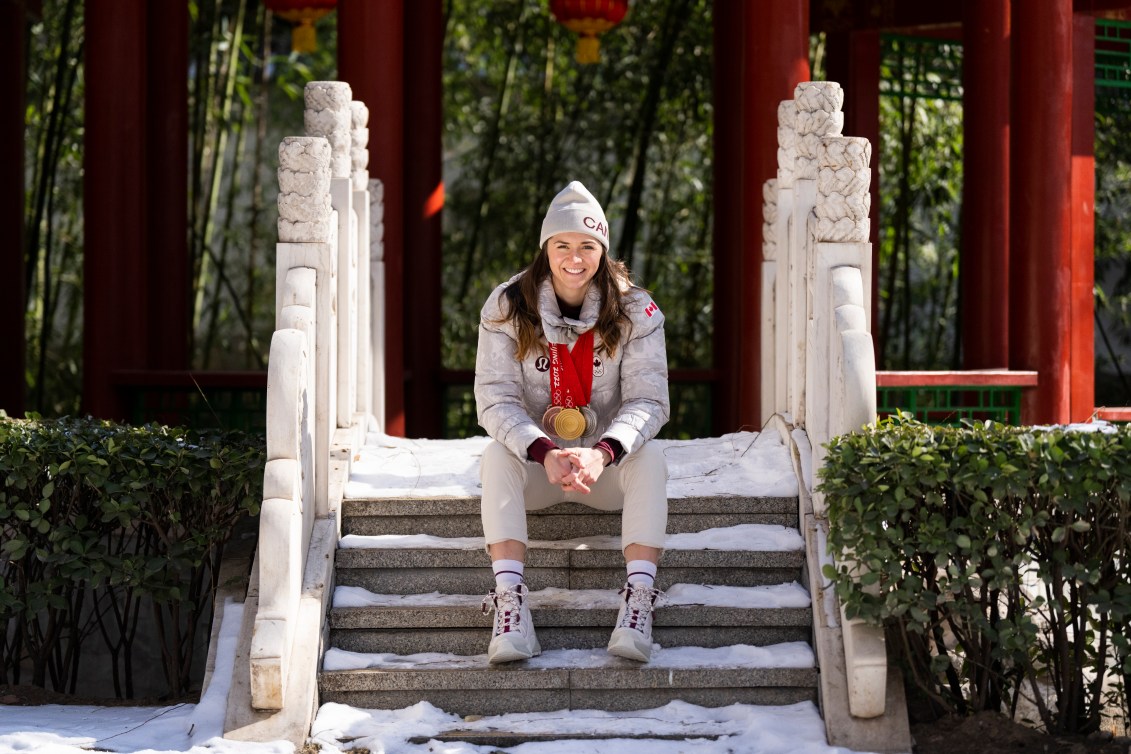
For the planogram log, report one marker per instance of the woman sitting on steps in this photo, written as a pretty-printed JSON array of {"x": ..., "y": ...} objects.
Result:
[{"x": 571, "y": 381}]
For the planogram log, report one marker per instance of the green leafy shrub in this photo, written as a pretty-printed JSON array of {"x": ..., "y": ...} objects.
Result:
[
  {"x": 995, "y": 556},
  {"x": 100, "y": 522}
]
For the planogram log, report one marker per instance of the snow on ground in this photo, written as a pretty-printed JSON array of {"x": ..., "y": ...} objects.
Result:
[
  {"x": 759, "y": 537},
  {"x": 749, "y": 464},
  {"x": 196, "y": 728},
  {"x": 790, "y": 729},
  {"x": 771, "y": 596}
]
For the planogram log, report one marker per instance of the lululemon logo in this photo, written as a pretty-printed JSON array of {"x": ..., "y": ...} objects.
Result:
[{"x": 542, "y": 364}]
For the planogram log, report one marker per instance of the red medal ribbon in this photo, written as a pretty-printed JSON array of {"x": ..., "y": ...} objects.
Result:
[{"x": 571, "y": 373}]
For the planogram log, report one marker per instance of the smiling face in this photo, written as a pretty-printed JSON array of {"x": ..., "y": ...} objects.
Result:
[{"x": 574, "y": 259}]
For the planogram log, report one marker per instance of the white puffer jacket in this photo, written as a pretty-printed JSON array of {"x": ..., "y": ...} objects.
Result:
[{"x": 630, "y": 389}]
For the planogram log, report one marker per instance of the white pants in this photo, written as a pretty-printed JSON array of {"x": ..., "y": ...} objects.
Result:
[{"x": 637, "y": 486}]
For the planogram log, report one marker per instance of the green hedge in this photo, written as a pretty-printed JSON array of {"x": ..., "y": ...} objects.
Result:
[
  {"x": 100, "y": 522},
  {"x": 997, "y": 558}
]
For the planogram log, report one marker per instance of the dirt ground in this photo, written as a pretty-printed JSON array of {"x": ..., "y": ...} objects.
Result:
[
  {"x": 984, "y": 733},
  {"x": 991, "y": 733}
]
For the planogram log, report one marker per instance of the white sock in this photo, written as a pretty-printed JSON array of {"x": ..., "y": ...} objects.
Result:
[
  {"x": 507, "y": 573},
  {"x": 641, "y": 572}
]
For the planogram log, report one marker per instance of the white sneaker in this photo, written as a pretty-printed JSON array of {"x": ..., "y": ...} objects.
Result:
[
  {"x": 514, "y": 637},
  {"x": 632, "y": 638}
]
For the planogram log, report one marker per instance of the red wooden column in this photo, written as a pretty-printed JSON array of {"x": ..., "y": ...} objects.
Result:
[
  {"x": 114, "y": 199},
  {"x": 727, "y": 230},
  {"x": 1082, "y": 372},
  {"x": 853, "y": 60},
  {"x": 984, "y": 274},
  {"x": 773, "y": 57},
  {"x": 1040, "y": 226},
  {"x": 371, "y": 60},
  {"x": 424, "y": 199},
  {"x": 166, "y": 179},
  {"x": 12, "y": 304}
]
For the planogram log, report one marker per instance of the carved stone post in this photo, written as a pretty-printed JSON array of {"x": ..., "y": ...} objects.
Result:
[
  {"x": 306, "y": 232},
  {"x": 377, "y": 298},
  {"x": 841, "y": 368},
  {"x": 359, "y": 155},
  {"x": 377, "y": 284},
  {"x": 840, "y": 226},
  {"x": 769, "y": 287},
  {"x": 328, "y": 115},
  {"x": 818, "y": 115},
  {"x": 307, "y": 239},
  {"x": 787, "y": 158}
]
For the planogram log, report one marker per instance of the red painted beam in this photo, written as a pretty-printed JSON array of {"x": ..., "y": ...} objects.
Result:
[
  {"x": 424, "y": 200},
  {"x": 13, "y": 384},
  {"x": 1114, "y": 414},
  {"x": 984, "y": 276},
  {"x": 371, "y": 60},
  {"x": 1040, "y": 192},
  {"x": 969, "y": 378},
  {"x": 1107, "y": 8},
  {"x": 880, "y": 15},
  {"x": 1083, "y": 235},
  {"x": 884, "y": 15},
  {"x": 114, "y": 199}
]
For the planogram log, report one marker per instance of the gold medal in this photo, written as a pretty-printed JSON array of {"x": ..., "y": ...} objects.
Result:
[{"x": 569, "y": 424}]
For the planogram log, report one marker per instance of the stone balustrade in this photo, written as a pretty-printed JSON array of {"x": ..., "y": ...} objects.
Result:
[
  {"x": 819, "y": 371},
  {"x": 321, "y": 400}
]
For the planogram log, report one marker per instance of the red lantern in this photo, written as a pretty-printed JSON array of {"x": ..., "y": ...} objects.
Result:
[
  {"x": 303, "y": 13},
  {"x": 588, "y": 18}
]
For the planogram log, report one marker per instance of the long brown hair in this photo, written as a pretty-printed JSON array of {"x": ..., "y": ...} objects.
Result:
[{"x": 611, "y": 279}]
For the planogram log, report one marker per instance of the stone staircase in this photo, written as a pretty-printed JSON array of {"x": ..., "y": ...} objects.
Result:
[{"x": 407, "y": 623}]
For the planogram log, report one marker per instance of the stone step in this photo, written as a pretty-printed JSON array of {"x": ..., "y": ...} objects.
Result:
[
  {"x": 417, "y": 571},
  {"x": 569, "y": 619},
  {"x": 573, "y": 679},
  {"x": 744, "y": 555},
  {"x": 459, "y": 516}
]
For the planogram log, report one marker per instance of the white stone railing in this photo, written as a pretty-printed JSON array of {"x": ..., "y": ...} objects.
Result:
[
  {"x": 819, "y": 371},
  {"x": 322, "y": 395}
]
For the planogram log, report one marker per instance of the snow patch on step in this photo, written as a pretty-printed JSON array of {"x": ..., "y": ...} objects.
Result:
[
  {"x": 794, "y": 728},
  {"x": 743, "y": 537},
  {"x": 743, "y": 464},
  {"x": 795, "y": 654},
  {"x": 774, "y": 596}
]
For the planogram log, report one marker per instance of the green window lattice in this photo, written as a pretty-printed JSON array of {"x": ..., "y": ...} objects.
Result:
[{"x": 1113, "y": 54}]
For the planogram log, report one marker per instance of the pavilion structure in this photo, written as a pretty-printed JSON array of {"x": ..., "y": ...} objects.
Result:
[{"x": 1027, "y": 246}]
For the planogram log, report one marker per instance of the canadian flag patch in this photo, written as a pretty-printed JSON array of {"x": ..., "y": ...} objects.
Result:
[{"x": 651, "y": 308}]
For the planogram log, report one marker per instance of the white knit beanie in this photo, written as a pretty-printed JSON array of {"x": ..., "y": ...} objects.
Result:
[{"x": 575, "y": 210}]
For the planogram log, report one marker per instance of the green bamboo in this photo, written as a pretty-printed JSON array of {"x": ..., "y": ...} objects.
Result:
[{"x": 227, "y": 75}]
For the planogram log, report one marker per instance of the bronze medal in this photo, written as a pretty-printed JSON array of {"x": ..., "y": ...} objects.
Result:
[
  {"x": 548, "y": 419},
  {"x": 569, "y": 424}
]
